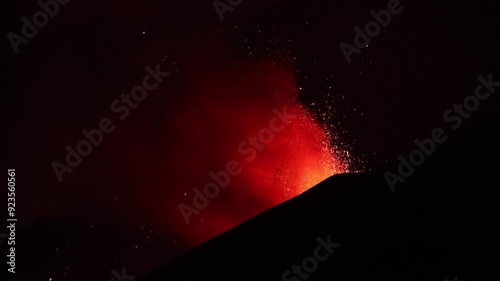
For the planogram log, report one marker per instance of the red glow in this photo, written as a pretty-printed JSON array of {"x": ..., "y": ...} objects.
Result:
[{"x": 230, "y": 107}]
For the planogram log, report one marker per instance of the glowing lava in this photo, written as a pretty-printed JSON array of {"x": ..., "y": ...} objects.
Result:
[
  {"x": 229, "y": 108},
  {"x": 298, "y": 158}
]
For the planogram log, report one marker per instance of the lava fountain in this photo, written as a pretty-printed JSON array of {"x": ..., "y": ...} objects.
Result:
[{"x": 224, "y": 117}]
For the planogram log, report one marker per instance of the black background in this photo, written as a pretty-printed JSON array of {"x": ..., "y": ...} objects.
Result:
[{"x": 64, "y": 79}]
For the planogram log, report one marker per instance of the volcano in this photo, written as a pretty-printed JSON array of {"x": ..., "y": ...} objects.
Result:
[{"x": 354, "y": 227}]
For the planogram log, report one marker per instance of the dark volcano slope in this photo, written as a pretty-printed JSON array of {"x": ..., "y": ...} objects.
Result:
[{"x": 438, "y": 224}]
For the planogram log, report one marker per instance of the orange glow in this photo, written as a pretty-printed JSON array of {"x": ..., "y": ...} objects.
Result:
[{"x": 234, "y": 108}]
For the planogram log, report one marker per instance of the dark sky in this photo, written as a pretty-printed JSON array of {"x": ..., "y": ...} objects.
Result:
[{"x": 119, "y": 207}]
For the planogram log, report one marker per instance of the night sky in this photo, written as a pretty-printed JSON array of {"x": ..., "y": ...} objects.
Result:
[{"x": 119, "y": 207}]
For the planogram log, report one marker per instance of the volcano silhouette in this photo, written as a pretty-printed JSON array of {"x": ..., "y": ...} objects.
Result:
[{"x": 432, "y": 227}]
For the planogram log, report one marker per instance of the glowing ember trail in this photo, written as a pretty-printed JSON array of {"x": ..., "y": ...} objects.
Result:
[
  {"x": 231, "y": 108},
  {"x": 299, "y": 158}
]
